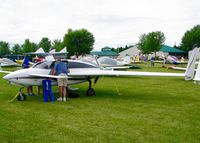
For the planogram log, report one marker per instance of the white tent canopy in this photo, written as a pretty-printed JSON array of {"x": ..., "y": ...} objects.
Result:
[
  {"x": 64, "y": 50},
  {"x": 52, "y": 51},
  {"x": 40, "y": 51}
]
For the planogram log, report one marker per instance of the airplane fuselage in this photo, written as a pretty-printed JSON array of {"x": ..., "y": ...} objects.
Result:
[{"x": 23, "y": 77}]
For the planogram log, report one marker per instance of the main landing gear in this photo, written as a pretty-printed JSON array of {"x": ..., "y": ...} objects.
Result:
[{"x": 90, "y": 91}]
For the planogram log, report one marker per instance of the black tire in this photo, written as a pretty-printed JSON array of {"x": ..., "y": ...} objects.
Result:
[
  {"x": 21, "y": 97},
  {"x": 91, "y": 92}
]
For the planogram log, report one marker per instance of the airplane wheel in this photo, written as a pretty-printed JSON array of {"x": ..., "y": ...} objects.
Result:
[
  {"x": 90, "y": 92},
  {"x": 21, "y": 97}
]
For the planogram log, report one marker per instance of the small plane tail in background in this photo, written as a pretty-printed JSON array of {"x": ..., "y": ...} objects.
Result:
[
  {"x": 197, "y": 75},
  {"x": 190, "y": 70}
]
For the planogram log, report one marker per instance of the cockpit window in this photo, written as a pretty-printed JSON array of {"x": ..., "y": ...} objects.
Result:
[
  {"x": 41, "y": 65},
  {"x": 73, "y": 64}
]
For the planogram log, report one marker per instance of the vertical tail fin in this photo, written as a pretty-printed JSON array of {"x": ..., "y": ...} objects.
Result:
[
  {"x": 197, "y": 75},
  {"x": 189, "y": 73}
]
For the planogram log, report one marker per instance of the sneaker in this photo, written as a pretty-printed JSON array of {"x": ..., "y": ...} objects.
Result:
[
  {"x": 59, "y": 99},
  {"x": 64, "y": 99},
  {"x": 31, "y": 94}
]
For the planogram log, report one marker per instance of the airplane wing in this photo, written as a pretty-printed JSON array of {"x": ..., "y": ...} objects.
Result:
[
  {"x": 1, "y": 71},
  {"x": 93, "y": 73},
  {"x": 118, "y": 67},
  {"x": 48, "y": 76},
  {"x": 123, "y": 73},
  {"x": 7, "y": 72},
  {"x": 177, "y": 68},
  {"x": 9, "y": 64}
]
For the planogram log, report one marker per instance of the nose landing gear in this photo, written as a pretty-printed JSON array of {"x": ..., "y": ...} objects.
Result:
[{"x": 20, "y": 96}]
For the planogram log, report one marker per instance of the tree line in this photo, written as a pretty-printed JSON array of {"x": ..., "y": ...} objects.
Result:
[
  {"x": 81, "y": 41},
  {"x": 78, "y": 42},
  {"x": 153, "y": 41}
]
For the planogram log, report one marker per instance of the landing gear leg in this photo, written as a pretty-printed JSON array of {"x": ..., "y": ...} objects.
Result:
[
  {"x": 90, "y": 91},
  {"x": 20, "y": 96}
]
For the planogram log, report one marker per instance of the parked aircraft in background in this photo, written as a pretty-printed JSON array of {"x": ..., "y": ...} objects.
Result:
[
  {"x": 171, "y": 60},
  {"x": 5, "y": 62},
  {"x": 108, "y": 63},
  {"x": 174, "y": 60},
  {"x": 194, "y": 59}
]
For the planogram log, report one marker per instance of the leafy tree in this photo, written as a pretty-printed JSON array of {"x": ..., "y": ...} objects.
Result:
[
  {"x": 16, "y": 49},
  {"x": 78, "y": 42},
  {"x": 151, "y": 42},
  {"x": 190, "y": 38},
  {"x": 142, "y": 45},
  {"x": 45, "y": 43},
  {"x": 57, "y": 44},
  {"x": 34, "y": 46},
  {"x": 27, "y": 46},
  {"x": 4, "y": 48}
]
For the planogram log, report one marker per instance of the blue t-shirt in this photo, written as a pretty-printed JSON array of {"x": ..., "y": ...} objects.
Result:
[
  {"x": 61, "y": 67},
  {"x": 25, "y": 63}
]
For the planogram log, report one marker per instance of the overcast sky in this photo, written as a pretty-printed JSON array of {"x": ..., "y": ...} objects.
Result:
[{"x": 113, "y": 22}]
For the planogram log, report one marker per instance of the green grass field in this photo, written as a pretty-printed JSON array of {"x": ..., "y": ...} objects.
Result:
[{"x": 128, "y": 109}]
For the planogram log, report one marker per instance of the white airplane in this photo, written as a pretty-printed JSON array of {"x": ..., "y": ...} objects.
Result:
[
  {"x": 5, "y": 62},
  {"x": 174, "y": 60},
  {"x": 80, "y": 71},
  {"x": 170, "y": 60},
  {"x": 108, "y": 63},
  {"x": 192, "y": 60}
]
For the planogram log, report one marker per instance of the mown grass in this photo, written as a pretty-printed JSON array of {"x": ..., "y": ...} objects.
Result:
[{"x": 128, "y": 109}]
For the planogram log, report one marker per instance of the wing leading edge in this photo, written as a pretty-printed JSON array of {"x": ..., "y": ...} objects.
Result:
[
  {"x": 124, "y": 73},
  {"x": 100, "y": 72},
  {"x": 7, "y": 72},
  {"x": 48, "y": 76}
]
